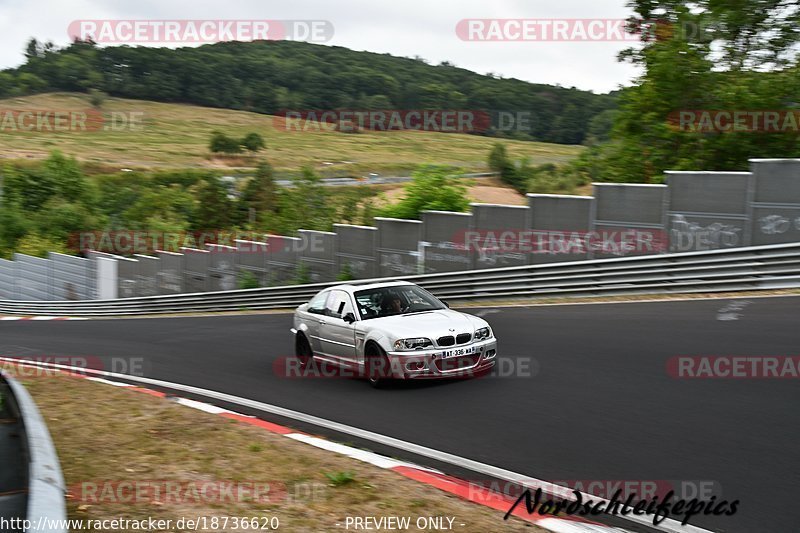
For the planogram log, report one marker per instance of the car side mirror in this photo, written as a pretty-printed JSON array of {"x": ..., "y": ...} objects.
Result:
[{"x": 349, "y": 318}]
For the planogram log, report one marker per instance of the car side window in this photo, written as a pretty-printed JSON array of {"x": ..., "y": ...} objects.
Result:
[
  {"x": 338, "y": 304},
  {"x": 317, "y": 303}
]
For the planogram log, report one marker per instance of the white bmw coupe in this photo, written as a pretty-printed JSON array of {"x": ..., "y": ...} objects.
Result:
[{"x": 391, "y": 330}]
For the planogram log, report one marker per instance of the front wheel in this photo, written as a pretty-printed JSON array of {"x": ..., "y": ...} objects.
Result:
[
  {"x": 303, "y": 352},
  {"x": 377, "y": 366}
]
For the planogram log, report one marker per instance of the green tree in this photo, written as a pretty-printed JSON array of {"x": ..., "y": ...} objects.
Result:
[
  {"x": 214, "y": 208},
  {"x": 707, "y": 54},
  {"x": 433, "y": 187},
  {"x": 260, "y": 195}
]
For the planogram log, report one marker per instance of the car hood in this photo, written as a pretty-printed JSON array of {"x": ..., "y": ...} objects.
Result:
[{"x": 431, "y": 324}]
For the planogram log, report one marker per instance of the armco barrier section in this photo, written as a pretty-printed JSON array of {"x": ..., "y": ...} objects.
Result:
[
  {"x": 732, "y": 269},
  {"x": 695, "y": 211},
  {"x": 46, "y": 488}
]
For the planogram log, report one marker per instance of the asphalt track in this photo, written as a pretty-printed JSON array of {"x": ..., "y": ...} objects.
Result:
[{"x": 597, "y": 403}]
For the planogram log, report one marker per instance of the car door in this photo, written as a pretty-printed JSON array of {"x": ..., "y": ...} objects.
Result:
[
  {"x": 336, "y": 335},
  {"x": 314, "y": 317}
]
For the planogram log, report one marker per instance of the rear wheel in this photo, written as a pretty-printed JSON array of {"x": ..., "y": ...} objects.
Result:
[
  {"x": 303, "y": 352},
  {"x": 377, "y": 366}
]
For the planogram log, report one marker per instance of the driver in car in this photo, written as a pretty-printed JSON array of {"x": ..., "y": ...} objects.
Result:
[{"x": 392, "y": 304}]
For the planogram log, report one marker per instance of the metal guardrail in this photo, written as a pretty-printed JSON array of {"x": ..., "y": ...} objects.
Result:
[
  {"x": 734, "y": 269},
  {"x": 46, "y": 507}
]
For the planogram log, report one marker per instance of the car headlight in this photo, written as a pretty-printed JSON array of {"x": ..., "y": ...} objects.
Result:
[
  {"x": 417, "y": 343},
  {"x": 483, "y": 333}
]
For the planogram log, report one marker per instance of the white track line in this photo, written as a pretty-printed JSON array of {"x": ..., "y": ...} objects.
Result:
[{"x": 668, "y": 525}]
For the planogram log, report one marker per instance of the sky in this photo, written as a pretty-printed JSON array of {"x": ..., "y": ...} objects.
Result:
[{"x": 425, "y": 28}]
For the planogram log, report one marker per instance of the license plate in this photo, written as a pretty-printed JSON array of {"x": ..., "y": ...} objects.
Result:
[{"x": 458, "y": 352}]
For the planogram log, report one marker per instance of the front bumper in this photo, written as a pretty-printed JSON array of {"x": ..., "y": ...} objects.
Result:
[{"x": 422, "y": 364}]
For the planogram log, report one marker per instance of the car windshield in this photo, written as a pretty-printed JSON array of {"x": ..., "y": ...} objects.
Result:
[{"x": 395, "y": 300}]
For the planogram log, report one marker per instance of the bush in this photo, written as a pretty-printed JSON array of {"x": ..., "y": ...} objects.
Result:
[
  {"x": 500, "y": 162},
  {"x": 97, "y": 98},
  {"x": 221, "y": 143},
  {"x": 302, "y": 274},
  {"x": 346, "y": 274},
  {"x": 550, "y": 178},
  {"x": 248, "y": 280},
  {"x": 253, "y": 142}
]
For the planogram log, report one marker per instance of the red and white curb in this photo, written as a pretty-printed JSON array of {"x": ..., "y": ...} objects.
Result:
[
  {"x": 429, "y": 476},
  {"x": 7, "y": 318}
]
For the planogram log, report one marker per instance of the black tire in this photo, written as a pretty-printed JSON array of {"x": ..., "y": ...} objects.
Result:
[
  {"x": 303, "y": 352},
  {"x": 378, "y": 373}
]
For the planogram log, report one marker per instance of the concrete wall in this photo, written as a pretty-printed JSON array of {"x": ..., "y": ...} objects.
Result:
[
  {"x": 8, "y": 278},
  {"x": 775, "y": 207},
  {"x": 497, "y": 235},
  {"x": 398, "y": 249},
  {"x": 561, "y": 226},
  {"x": 444, "y": 241},
  {"x": 708, "y": 210},
  {"x": 282, "y": 258},
  {"x": 693, "y": 211},
  {"x": 629, "y": 219},
  {"x": 355, "y": 250},
  {"x": 71, "y": 277},
  {"x": 318, "y": 254}
]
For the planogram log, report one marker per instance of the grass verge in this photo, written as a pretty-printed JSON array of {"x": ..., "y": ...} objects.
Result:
[{"x": 108, "y": 436}]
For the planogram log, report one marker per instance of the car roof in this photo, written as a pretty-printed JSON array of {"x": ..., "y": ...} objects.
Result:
[{"x": 356, "y": 286}]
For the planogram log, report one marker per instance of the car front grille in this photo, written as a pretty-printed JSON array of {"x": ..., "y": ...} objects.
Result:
[
  {"x": 457, "y": 363},
  {"x": 447, "y": 340}
]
